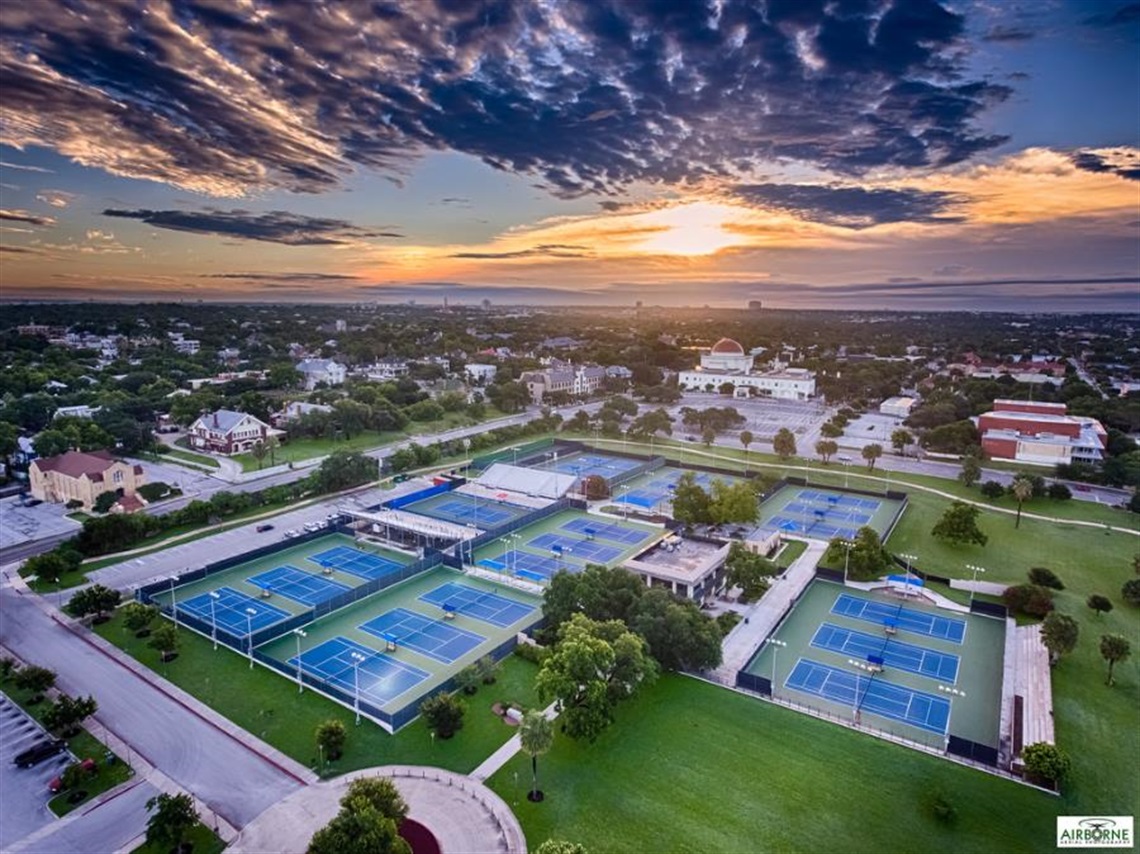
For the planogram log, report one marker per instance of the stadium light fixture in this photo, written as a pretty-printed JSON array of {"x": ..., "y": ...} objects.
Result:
[
  {"x": 974, "y": 579},
  {"x": 214, "y": 597},
  {"x": 357, "y": 660},
  {"x": 848, "y": 545},
  {"x": 298, "y": 634},
  {"x": 776, "y": 645},
  {"x": 173, "y": 599},
  {"x": 250, "y": 613}
]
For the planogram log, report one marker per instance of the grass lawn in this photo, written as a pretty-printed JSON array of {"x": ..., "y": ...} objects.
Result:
[
  {"x": 792, "y": 549},
  {"x": 84, "y": 746},
  {"x": 204, "y": 840},
  {"x": 185, "y": 456},
  {"x": 268, "y": 706},
  {"x": 300, "y": 449},
  {"x": 693, "y": 767}
]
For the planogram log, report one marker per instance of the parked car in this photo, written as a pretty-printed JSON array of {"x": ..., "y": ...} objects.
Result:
[
  {"x": 37, "y": 753},
  {"x": 290, "y": 534},
  {"x": 261, "y": 529},
  {"x": 313, "y": 526},
  {"x": 56, "y": 784}
]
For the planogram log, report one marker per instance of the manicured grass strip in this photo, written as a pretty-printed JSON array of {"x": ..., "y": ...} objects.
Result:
[
  {"x": 268, "y": 706},
  {"x": 185, "y": 456},
  {"x": 792, "y": 550},
  {"x": 203, "y": 840},
  {"x": 693, "y": 767}
]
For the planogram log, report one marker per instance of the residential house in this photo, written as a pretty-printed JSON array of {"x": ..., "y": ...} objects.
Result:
[
  {"x": 76, "y": 412},
  {"x": 575, "y": 380},
  {"x": 481, "y": 372},
  {"x": 83, "y": 477},
  {"x": 324, "y": 371},
  {"x": 295, "y": 410},
  {"x": 227, "y": 432}
]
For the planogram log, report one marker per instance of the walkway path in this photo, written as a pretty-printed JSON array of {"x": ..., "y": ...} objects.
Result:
[
  {"x": 464, "y": 815},
  {"x": 505, "y": 753}
]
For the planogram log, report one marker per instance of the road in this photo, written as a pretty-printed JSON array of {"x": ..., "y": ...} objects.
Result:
[
  {"x": 225, "y": 774},
  {"x": 109, "y": 825}
]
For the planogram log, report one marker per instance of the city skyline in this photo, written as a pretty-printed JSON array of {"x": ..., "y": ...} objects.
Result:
[{"x": 905, "y": 154}]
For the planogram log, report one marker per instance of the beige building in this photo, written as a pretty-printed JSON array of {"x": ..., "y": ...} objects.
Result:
[{"x": 78, "y": 476}]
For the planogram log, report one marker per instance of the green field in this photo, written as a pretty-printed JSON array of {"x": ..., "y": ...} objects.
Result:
[
  {"x": 693, "y": 767},
  {"x": 301, "y": 449},
  {"x": 268, "y": 706}
]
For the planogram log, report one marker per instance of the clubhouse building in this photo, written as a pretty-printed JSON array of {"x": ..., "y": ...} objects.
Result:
[{"x": 727, "y": 362}]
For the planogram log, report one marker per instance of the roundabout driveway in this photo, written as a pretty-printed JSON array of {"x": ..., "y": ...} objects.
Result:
[{"x": 463, "y": 814}]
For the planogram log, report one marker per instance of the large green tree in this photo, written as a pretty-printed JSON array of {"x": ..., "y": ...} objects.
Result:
[
  {"x": 592, "y": 667},
  {"x": 1059, "y": 633},
  {"x": 959, "y": 524},
  {"x": 368, "y": 821},
  {"x": 345, "y": 469},
  {"x": 749, "y": 571},
  {"x": 1099, "y": 603},
  {"x": 732, "y": 502},
  {"x": 679, "y": 635},
  {"x": 1114, "y": 648},
  {"x": 784, "y": 444},
  {"x": 826, "y": 448},
  {"x": 172, "y": 816},
  {"x": 971, "y": 471},
  {"x": 690, "y": 501},
  {"x": 598, "y": 592},
  {"x": 96, "y": 600},
  {"x": 536, "y": 737},
  {"x": 871, "y": 453}
]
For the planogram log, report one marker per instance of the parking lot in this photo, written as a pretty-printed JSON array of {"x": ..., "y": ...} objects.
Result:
[
  {"x": 763, "y": 417},
  {"x": 20, "y": 524},
  {"x": 23, "y": 807}
]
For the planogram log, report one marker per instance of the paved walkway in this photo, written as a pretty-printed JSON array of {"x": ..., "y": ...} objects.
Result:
[
  {"x": 464, "y": 815},
  {"x": 761, "y": 619},
  {"x": 505, "y": 753}
]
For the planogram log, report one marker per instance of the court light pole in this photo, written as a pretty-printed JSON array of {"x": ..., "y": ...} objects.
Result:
[
  {"x": 910, "y": 560},
  {"x": 214, "y": 597},
  {"x": 974, "y": 579},
  {"x": 357, "y": 660},
  {"x": 776, "y": 645},
  {"x": 847, "y": 546},
  {"x": 298, "y": 634},
  {"x": 173, "y": 600},
  {"x": 249, "y": 615}
]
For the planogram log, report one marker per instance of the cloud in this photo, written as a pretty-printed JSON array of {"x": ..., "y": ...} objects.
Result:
[
  {"x": 1122, "y": 16},
  {"x": 4, "y": 164},
  {"x": 1124, "y": 162},
  {"x": 548, "y": 250},
  {"x": 55, "y": 198},
  {"x": 284, "y": 277},
  {"x": 951, "y": 270},
  {"x": 850, "y": 207},
  {"x": 19, "y": 250},
  {"x": 230, "y": 100},
  {"x": 273, "y": 227},
  {"x": 1008, "y": 34},
  {"x": 26, "y": 216}
]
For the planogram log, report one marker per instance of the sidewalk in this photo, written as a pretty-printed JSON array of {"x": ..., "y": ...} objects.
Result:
[{"x": 505, "y": 753}]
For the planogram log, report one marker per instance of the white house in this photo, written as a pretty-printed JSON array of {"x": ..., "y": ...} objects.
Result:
[
  {"x": 76, "y": 412},
  {"x": 481, "y": 373},
  {"x": 321, "y": 371},
  {"x": 727, "y": 362}
]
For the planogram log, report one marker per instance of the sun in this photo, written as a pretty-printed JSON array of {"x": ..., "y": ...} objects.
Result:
[{"x": 697, "y": 228}]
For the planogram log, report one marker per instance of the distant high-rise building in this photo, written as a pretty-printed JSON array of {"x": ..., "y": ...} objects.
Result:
[
  {"x": 486, "y": 305},
  {"x": 754, "y": 305},
  {"x": 639, "y": 304}
]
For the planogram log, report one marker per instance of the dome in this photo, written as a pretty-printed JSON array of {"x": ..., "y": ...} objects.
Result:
[{"x": 726, "y": 346}]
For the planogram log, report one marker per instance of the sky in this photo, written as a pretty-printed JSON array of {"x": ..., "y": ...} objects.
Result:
[{"x": 906, "y": 154}]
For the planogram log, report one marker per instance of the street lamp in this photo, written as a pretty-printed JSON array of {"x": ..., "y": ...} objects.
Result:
[
  {"x": 214, "y": 597},
  {"x": 848, "y": 545},
  {"x": 250, "y": 613},
  {"x": 910, "y": 559},
  {"x": 357, "y": 660},
  {"x": 776, "y": 645},
  {"x": 173, "y": 600},
  {"x": 299, "y": 633},
  {"x": 974, "y": 580}
]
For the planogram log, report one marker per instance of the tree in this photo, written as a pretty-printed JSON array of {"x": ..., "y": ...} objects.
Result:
[
  {"x": 367, "y": 822},
  {"x": 66, "y": 714},
  {"x": 105, "y": 501},
  {"x": 784, "y": 444},
  {"x": 831, "y": 430},
  {"x": 137, "y": 616},
  {"x": 165, "y": 640},
  {"x": 467, "y": 680},
  {"x": 826, "y": 448},
  {"x": 1046, "y": 762},
  {"x": 871, "y": 453},
  {"x": 488, "y": 670},
  {"x": 444, "y": 714},
  {"x": 993, "y": 489},
  {"x": 1059, "y": 633},
  {"x": 708, "y": 436},
  {"x": 331, "y": 736},
  {"x": 1114, "y": 648},
  {"x": 598, "y": 592},
  {"x": 345, "y": 469},
  {"x": 1030, "y": 599},
  {"x": 1100, "y": 604},
  {"x": 679, "y": 635},
  {"x": 49, "y": 566},
  {"x": 536, "y": 736},
  {"x": 959, "y": 524},
  {"x": 1130, "y": 592},
  {"x": 690, "y": 502},
  {"x": 378, "y": 793},
  {"x": 732, "y": 502},
  {"x": 746, "y": 439},
  {"x": 172, "y": 818},
  {"x": 97, "y": 600},
  {"x": 272, "y": 444},
  {"x": 1059, "y": 492},
  {"x": 259, "y": 452},
  {"x": 1045, "y": 577},
  {"x": 900, "y": 439},
  {"x": 34, "y": 678},
  {"x": 748, "y": 571},
  {"x": 1022, "y": 490},
  {"x": 592, "y": 667},
  {"x": 971, "y": 471}
]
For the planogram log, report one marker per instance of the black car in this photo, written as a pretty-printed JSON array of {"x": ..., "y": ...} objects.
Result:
[
  {"x": 37, "y": 753},
  {"x": 261, "y": 529}
]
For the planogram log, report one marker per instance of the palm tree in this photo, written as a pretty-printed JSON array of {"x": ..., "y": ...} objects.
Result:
[
  {"x": 1114, "y": 648},
  {"x": 872, "y": 453},
  {"x": 746, "y": 438},
  {"x": 536, "y": 735},
  {"x": 1022, "y": 489},
  {"x": 825, "y": 448}
]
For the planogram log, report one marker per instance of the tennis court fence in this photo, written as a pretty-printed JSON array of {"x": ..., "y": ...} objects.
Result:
[
  {"x": 413, "y": 497},
  {"x": 519, "y": 451},
  {"x": 650, "y": 465},
  {"x": 469, "y": 546}
]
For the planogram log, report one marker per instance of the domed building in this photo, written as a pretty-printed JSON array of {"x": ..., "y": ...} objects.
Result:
[{"x": 728, "y": 356}]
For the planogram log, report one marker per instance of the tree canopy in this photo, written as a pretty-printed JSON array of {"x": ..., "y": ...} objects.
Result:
[{"x": 959, "y": 524}]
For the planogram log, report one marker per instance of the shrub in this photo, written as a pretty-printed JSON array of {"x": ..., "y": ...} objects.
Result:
[
  {"x": 1130, "y": 592},
  {"x": 942, "y": 809},
  {"x": 1059, "y": 492},
  {"x": 468, "y": 679},
  {"x": 105, "y": 502},
  {"x": 1045, "y": 763},
  {"x": 331, "y": 736},
  {"x": 488, "y": 669},
  {"x": 1029, "y": 599},
  {"x": 727, "y": 621},
  {"x": 73, "y": 504},
  {"x": 533, "y": 653},
  {"x": 444, "y": 714},
  {"x": 154, "y": 491},
  {"x": 1045, "y": 578},
  {"x": 992, "y": 489}
]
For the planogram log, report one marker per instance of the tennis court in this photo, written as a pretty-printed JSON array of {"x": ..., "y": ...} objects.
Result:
[
  {"x": 298, "y": 585},
  {"x": 658, "y": 487},
  {"x": 435, "y": 639},
  {"x": 578, "y": 546},
  {"x": 871, "y": 695},
  {"x": 530, "y": 566},
  {"x": 479, "y": 604},
  {"x": 826, "y": 513},
  {"x": 585, "y": 465},
  {"x": 605, "y": 530},
  {"x": 359, "y": 670},
  {"x": 832, "y": 513},
  {"x": 950, "y": 629},
  {"x": 355, "y": 562},
  {"x": 467, "y": 510},
  {"x": 232, "y": 611},
  {"x": 893, "y": 653}
]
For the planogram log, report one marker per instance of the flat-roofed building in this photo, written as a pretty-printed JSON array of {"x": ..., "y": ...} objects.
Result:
[{"x": 1040, "y": 434}]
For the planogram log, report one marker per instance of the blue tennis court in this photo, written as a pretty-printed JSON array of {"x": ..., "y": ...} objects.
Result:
[
  {"x": 233, "y": 611},
  {"x": 480, "y": 512},
  {"x": 582, "y": 548},
  {"x": 842, "y": 500},
  {"x": 814, "y": 527},
  {"x": 530, "y": 566},
  {"x": 942, "y": 666},
  {"x": 435, "y": 639},
  {"x": 606, "y": 530},
  {"x": 356, "y": 562},
  {"x": 298, "y": 585},
  {"x": 480, "y": 604},
  {"x": 871, "y": 694},
  {"x": 380, "y": 677},
  {"x": 815, "y": 511},
  {"x": 584, "y": 465},
  {"x": 650, "y": 494},
  {"x": 919, "y": 622}
]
